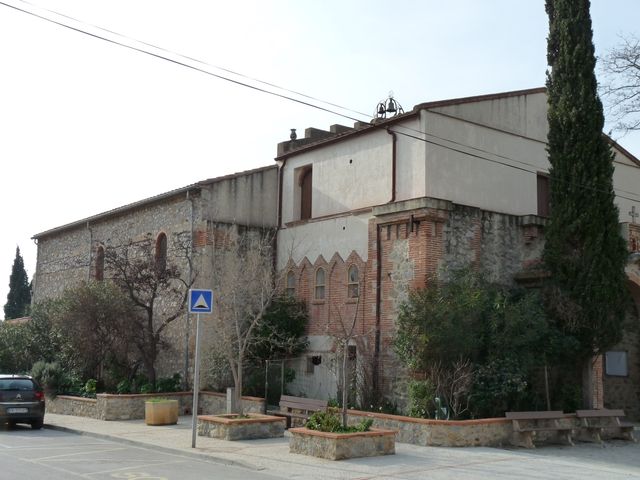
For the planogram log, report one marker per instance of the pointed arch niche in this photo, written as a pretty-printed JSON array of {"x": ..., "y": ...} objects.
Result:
[
  {"x": 161, "y": 252},
  {"x": 99, "y": 265}
]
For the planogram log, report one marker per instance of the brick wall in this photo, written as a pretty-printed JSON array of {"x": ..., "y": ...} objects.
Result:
[{"x": 413, "y": 241}]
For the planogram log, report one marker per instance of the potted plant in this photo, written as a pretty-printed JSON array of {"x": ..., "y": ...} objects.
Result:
[
  {"x": 161, "y": 411},
  {"x": 325, "y": 436}
]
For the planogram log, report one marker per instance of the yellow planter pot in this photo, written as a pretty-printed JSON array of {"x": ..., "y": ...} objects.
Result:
[{"x": 164, "y": 412}]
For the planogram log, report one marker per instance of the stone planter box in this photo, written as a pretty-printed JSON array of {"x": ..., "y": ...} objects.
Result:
[
  {"x": 231, "y": 427},
  {"x": 163, "y": 412},
  {"x": 339, "y": 446}
]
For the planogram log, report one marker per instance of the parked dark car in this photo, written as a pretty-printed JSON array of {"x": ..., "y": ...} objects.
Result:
[{"x": 21, "y": 401}]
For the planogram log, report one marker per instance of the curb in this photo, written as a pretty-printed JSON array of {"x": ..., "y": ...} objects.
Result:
[{"x": 207, "y": 457}]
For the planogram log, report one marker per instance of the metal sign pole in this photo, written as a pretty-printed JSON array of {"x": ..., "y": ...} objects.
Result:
[{"x": 196, "y": 386}]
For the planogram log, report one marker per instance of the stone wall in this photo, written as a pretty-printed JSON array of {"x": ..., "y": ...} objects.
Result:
[
  {"x": 77, "y": 406},
  {"x": 131, "y": 407},
  {"x": 490, "y": 432}
]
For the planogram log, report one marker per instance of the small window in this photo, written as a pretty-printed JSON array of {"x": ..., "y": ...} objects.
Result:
[
  {"x": 99, "y": 272},
  {"x": 352, "y": 353},
  {"x": 319, "y": 292},
  {"x": 353, "y": 282},
  {"x": 616, "y": 364},
  {"x": 544, "y": 199},
  {"x": 161, "y": 253},
  {"x": 310, "y": 365},
  {"x": 291, "y": 284}
]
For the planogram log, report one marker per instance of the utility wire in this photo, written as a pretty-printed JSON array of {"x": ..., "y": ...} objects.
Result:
[
  {"x": 178, "y": 62},
  {"x": 283, "y": 96},
  {"x": 186, "y": 57}
]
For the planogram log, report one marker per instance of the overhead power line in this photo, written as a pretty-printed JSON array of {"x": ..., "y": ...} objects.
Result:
[{"x": 183, "y": 61}]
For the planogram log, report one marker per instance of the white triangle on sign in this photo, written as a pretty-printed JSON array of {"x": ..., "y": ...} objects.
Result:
[{"x": 201, "y": 303}]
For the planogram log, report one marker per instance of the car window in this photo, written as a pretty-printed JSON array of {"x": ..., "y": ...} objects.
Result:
[{"x": 16, "y": 384}]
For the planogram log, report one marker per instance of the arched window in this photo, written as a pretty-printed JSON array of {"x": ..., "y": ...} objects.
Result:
[
  {"x": 161, "y": 253},
  {"x": 291, "y": 284},
  {"x": 319, "y": 291},
  {"x": 99, "y": 272},
  {"x": 306, "y": 186},
  {"x": 353, "y": 282}
]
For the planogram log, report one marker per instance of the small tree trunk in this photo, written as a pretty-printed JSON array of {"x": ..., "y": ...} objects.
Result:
[
  {"x": 344, "y": 384},
  {"x": 238, "y": 392}
]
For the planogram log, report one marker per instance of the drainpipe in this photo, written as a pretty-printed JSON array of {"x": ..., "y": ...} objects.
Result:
[
  {"x": 186, "y": 337},
  {"x": 280, "y": 177},
  {"x": 376, "y": 355},
  {"x": 90, "y": 250},
  {"x": 394, "y": 142}
]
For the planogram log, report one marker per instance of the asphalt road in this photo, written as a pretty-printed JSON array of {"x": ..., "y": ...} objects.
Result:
[{"x": 53, "y": 455}]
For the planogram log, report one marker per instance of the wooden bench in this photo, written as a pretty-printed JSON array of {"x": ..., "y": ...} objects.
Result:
[
  {"x": 526, "y": 425},
  {"x": 593, "y": 423},
  {"x": 298, "y": 407}
]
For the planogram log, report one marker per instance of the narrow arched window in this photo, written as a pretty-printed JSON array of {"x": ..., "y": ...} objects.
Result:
[
  {"x": 291, "y": 284},
  {"x": 319, "y": 290},
  {"x": 99, "y": 271},
  {"x": 306, "y": 187},
  {"x": 353, "y": 282},
  {"x": 161, "y": 253}
]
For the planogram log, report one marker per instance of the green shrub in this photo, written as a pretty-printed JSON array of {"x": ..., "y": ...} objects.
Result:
[
  {"x": 421, "y": 396},
  {"x": 147, "y": 388},
  {"x": 90, "y": 388},
  {"x": 49, "y": 375},
  {"x": 124, "y": 386},
  {"x": 169, "y": 384},
  {"x": 329, "y": 421},
  {"x": 499, "y": 386}
]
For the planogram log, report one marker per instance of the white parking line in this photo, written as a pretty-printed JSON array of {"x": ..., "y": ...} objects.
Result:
[
  {"x": 122, "y": 469},
  {"x": 66, "y": 455}
]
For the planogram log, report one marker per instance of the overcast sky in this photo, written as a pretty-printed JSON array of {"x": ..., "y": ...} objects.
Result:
[{"x": 87, "y": 125}]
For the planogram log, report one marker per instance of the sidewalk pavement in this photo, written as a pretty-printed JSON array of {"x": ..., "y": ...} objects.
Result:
[{"x": 616, "y": 460}]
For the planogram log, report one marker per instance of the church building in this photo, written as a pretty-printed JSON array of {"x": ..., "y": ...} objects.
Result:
[{"x": 365, "y": 214}]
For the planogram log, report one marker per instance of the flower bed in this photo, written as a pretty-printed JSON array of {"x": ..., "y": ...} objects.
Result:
[
  {"x": 236, "y": 427},
  {"x": 339, "y": 446}
]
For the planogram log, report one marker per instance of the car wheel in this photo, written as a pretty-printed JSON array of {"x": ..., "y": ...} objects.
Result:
[
  {"x": 37, "y": 424},
  {"x": 11, "y": 425}
]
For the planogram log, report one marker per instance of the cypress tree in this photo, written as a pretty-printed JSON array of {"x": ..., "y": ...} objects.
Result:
[
  {"x": 19, "y": 297},
  {"x": 584, "y": 252}
]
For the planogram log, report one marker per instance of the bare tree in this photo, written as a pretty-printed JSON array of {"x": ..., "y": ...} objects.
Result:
[
  {"x": 621, "y": 89},
  {"x": 453, "y": 384},
  {"x": 155, "y": 286},
  {"x": 344, "y": 334},
  {"x": 244, "y": 285}
]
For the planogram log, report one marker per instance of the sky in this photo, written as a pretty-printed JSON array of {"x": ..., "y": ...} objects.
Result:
[{"x": 87, "y": 125}]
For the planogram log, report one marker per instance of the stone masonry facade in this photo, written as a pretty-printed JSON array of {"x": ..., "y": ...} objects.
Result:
[
  {"x": 192, "y": 217},
  {"x": 409, "y": 243}
]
